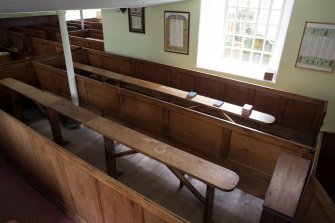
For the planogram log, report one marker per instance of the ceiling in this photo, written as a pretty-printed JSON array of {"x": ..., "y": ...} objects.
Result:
[{"x": 13, "y": 6}]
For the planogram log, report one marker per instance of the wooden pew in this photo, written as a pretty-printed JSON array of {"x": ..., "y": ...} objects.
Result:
[
  {"x": 84, "y": 192},
  {"x": 250, "y": 153},
  {"x": 287, "y": 183},
  {"x": 180, "y": 162},
  {"x": 255, "y": 116},
  {"x": 298, "y": 117}
]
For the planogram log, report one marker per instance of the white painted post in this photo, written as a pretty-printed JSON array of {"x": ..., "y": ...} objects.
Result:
[
  {"x": 68, "y": 57},
  {"x": 82, "y": 19}
]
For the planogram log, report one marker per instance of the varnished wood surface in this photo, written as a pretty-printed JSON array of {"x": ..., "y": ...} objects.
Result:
[
  {"x": 199, "y": 99},
  {"x": 79, "y": 114},
  {"x": 287, "y": 184},
  {"x": 250, "y": 153},
  {"x": 154, "y": 180},
  {"x": 216, "y": 176},
  {"x": 210, "y": 173},
  {"x": 85, "y": 192},
  {"x": 315, "y": 205},
  {"x": 32, "y": 93}
]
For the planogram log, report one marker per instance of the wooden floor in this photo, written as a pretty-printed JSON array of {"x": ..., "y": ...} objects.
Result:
[{"x": 154, "y": 180}]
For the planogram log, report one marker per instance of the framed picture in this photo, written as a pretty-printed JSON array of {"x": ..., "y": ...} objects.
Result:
[
  {"x": 136, "y": 20},
  {"x": 317, "y": 47},
  {"x": 176, "y": 32}
]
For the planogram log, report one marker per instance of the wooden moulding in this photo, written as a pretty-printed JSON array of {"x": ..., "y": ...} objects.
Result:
[{"x": 76, "y": 185}]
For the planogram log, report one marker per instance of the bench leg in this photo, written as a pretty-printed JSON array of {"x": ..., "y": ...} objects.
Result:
[
  {"x": 110, "y": 159},
  {"x": 209, "y": 204},
  {"x": 55, "y": 128}
]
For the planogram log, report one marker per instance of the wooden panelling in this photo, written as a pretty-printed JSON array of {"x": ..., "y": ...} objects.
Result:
[
  {"x": 161, "y": 75},
  {"x": 141, "y": 70},
  {"x": 250, "y": 153},
  {"x": 141, "y": 112},
  {"x": 298, "y": 118},
  {"x": 209, "y": 87},
  {"x": 56, "y": 181},
  {"x": 316, "y": 206},
  {"x": 195, "y": 133},
  {"x": 117, "y": 207},
  {"x": 236, "y": 94},
  {"x": 52, "y": 79},
  {"x": 42, "y": 47},
  {"x": 85, "y": 192},
  {"x": 183, "y": 81},
  {"x": 98, "y": 96},
  {"x": 300, "y": 115},
  {"x": 266, "y": 102},
  {"x": 254, "y": 153}
]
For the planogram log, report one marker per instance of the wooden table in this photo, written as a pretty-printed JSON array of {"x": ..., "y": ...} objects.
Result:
[
  {"x": 256, "y": 116},
  {"x": 178, "y": 161}
]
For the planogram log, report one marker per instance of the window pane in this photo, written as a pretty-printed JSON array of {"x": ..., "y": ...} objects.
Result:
[
  {"x": 265, "y": 3},
  {"x": 254, "y": 3},
  {"x": 236, "y": 54},
  {"x": 243, "y": 3},
  {"x": 232, "y": 13},
  {"x": 260, "y": 31},
  {"x": 268, "y": 45},
  {"x": 238, "y": 41},
  {"x": 228, "y": 40},
  {"x": 263, "y": 16},
  {"x": 252, "y": 15},
  {"x": 258, "y": 44},
  {"x": 247, "y": 43},
  {"x": 230, "y": 27},
  {"x": 249, "y": 29},
  {"x": 272, "y": 32},
  {"x": 227, "y": 53},
  {"x": 232, "y": 3},
  {"x": 256, "y": 57},
  {"x": 266, "y": 59},
  {"x": 275, "y": 17},
  {"x": 277, "y": 4},
  {"x": 239, "y": 28},
  {"x": 246, "y": 56}
]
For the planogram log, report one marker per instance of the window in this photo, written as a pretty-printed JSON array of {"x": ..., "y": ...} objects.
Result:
[
  {"x": 87, "y": 13},
  {"x": 242, "y": 37}
]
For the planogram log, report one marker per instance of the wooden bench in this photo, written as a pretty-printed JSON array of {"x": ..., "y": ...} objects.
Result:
[
  {"x": 285, "y": 189},
  {"x": 255, "y": 116},
  {"x": 178, "y": 161}
]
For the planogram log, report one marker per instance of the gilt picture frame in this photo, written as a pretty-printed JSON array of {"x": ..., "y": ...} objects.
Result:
[{"x": 176, "y": 32}]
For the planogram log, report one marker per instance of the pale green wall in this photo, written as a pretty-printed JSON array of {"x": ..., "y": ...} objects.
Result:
[{"x": 150, "y": 46}]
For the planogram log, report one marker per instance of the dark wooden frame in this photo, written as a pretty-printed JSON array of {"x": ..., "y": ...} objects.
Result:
[
  {"x": 186, "y": 35},
  {"x": 132, "y": 12}
]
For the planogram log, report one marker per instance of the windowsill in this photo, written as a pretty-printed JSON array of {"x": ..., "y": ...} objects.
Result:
[{"x": 235, "y": 68}]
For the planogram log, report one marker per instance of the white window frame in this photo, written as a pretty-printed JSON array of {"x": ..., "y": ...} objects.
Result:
[{"x": 211, "y": 42}]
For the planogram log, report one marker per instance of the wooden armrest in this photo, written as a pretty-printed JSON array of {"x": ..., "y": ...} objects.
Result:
[{"x": 286, "y": 185}]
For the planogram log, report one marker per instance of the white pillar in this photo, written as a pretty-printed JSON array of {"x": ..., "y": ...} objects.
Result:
[
  {"x": 68, "y": 57},
  {"x": 82, "y": 19}
]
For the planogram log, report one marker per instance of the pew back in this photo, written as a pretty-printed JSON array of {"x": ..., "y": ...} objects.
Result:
[{"x": 86, "y": 193}]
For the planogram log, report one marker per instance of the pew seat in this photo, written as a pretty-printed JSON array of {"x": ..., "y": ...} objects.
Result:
[{"x": 285, "y": 189}]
